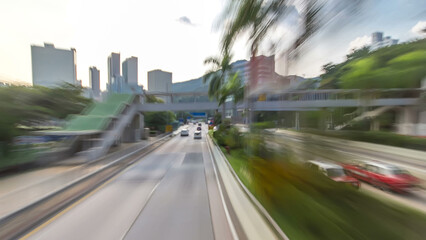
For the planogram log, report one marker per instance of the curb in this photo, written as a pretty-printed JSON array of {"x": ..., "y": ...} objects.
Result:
[{"x": 260, "y": 209}]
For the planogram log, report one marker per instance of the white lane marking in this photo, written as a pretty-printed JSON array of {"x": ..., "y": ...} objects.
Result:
[
  {"x": 228, "y": 217},
  {"x": 171, "y": 165}
]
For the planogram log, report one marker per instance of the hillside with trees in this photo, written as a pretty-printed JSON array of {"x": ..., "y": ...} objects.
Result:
[{"x": 398, "y": 66}]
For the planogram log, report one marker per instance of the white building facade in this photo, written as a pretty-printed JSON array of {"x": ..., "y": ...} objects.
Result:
[
  {"x": 378, "y": 41},
  {"x": 94, "y": 79},
  {"x": 113, "y": 67},
  {"x": 160, "y": 81},
  {"x": 52, "y": 67},
  {"x": 130, "y": 71}
]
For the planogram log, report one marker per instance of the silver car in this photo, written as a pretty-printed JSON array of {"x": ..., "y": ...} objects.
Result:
[
  {"x": 184, "y": 132},
  {"x": 197, "y": 135}
]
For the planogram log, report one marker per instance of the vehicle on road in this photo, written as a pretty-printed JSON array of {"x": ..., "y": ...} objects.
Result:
[
  {"x": 383, "y": 175},
  {"x": 333, "y": 171},
  {"x": 197, "y": 135},
  {"x": 198, "y": 128},
  {"x": 184, "y": 132},
  {"x": 199, "y": 124}
]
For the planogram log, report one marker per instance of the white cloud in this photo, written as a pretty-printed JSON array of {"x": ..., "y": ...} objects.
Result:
[
  {"x": 359, "y": 42},
  {"x": 419, "y": 28},
  {"x": 185, "y": 20}
]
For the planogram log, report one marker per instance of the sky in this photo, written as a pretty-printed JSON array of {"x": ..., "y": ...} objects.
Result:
[{"x": 175, "y": 36}]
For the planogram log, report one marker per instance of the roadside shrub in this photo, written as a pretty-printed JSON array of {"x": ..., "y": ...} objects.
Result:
[
  {"x": 308, "y": 205},
  {"x": 263, "y": 125}
]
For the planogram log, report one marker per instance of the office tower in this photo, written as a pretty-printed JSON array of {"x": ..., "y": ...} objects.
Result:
[
  {"x": 113, "y": 67},
  {"x": 377, "y": 37},
  {"x": 52, "y": 67},
  {"x": 94, "y": 79},
  {"x": 130, "y": 71}
]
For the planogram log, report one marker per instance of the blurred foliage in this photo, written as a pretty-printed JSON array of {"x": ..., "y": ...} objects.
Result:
[
  {"x": 217, "y": 118},
  {"x": 398, "y": 66},
  {"x": 308, "y": 205},
  {"x": 379, "y": 137},
  {"x": 158, "y": 120},
  {"x": 28, "y": 106},
  {"x": 263, "y": 125},
  {"x": 228, "y": 136}
]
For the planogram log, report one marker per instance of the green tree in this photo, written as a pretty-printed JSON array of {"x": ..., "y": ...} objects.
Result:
[
  {"x": 257, "y": 18},
  {"x": 234, "y": 88},
  {"x": 398, "y": 66},
  {"x": 158, "y": 120},
  {"x": 217, "y": 76},
  {"x": 31, "y": 106}
]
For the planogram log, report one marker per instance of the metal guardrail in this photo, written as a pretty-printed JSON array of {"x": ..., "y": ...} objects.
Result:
[
  {"x": 20, "y": 222},
  {"x": 271, "y": 222}
]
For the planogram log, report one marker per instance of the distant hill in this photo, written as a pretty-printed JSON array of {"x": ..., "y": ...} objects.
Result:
[{"x": 194, "y": 85}]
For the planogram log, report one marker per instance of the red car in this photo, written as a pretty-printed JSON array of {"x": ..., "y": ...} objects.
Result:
[
  {"x": 383, "y": 176},
  {"x": 334, "y": 172}
]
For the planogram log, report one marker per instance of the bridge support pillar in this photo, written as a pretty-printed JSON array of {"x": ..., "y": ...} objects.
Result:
[
  {"x": 297, "y": 122},
  {"x": 133, "y": 132},
  {"x": 421, "y": 126},
  {"x": 375, "y": 124},
  {"x": 411, "y": 121}
]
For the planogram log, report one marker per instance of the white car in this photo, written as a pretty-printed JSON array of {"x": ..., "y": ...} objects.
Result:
[
  {"x": 197, "y": 135},
  {"x": 184, "y": 132},
  {"x": 333, "y": 171}
]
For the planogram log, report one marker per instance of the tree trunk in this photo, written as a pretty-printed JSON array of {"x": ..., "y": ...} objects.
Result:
[{"x": 223, "y": 112}]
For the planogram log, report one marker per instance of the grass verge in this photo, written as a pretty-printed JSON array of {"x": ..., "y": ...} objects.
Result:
[{"x": 307, "y": 205}]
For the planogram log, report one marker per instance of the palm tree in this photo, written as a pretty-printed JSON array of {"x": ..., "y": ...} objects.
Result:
[
  {"x": 258, "y": 17},
  {"x": 235, "y": 88},
  {"x": 217, "y": 77}
]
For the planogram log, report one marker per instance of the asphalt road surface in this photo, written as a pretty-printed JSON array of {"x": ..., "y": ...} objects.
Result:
[{"x": 168, "y": 194}]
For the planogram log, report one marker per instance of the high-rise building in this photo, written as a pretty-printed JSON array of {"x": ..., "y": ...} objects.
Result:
[
  {"x": 52, "y": 67},
  {"x": 262, "y": 70},
  {"x": 94, "y": 79},
  {"x": 378, "y": 41},
  {"x": 113, "y": 67},
  {"x": 130, "y": 71},
  {"x": 159, "y": 81},
  {"x": 376, "y": 37}
]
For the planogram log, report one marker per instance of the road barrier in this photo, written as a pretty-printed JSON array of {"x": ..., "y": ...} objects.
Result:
[{"x": 254, "y": 219}]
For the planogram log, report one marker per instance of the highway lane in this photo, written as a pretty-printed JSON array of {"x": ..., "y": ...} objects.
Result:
[
  {"x": 327, "y": 151},
  {"x": 169, "y": 194},
  {"x": 22, "y": 189}
]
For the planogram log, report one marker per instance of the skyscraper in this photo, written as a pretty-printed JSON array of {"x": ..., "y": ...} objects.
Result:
[
  {"x": 52, "y": 67},
  {"x": 94, "y": 78},
  {"x": 376, "y": 37},
  {"x": 113, "y": 67},
  {"x": 378, "y": 41},
  {"x": 130, "y": 71}
]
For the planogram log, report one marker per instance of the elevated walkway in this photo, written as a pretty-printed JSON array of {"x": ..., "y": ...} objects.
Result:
[
  {"x": 101, "y": 126},
  {"x": 366, "y": 115}
]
